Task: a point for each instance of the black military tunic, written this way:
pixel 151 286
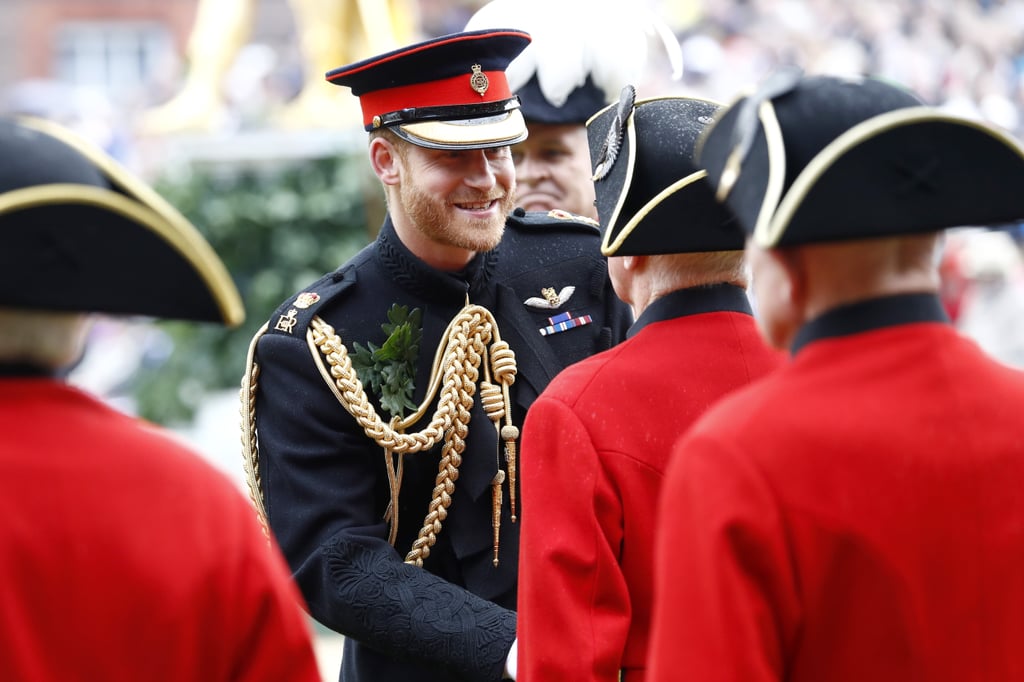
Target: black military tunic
pixel 325 483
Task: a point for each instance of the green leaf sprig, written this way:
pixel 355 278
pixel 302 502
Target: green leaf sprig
pixel 390 370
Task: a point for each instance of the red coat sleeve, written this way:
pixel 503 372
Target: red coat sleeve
pixel 574 610
pixel 274 631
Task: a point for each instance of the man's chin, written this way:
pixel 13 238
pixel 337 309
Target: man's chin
pixel 537 204
pixel 477 235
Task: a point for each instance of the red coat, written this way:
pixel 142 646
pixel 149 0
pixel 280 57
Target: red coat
pixel 594 447
pixel 859 515
pixel 125 557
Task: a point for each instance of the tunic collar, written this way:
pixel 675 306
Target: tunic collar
pixel 875 313
pixel 713 298
pixel 426 282
pixel 27 371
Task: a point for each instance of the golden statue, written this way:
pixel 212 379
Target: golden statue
pixel 331 33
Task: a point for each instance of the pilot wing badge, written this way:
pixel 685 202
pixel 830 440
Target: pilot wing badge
pixel 551 299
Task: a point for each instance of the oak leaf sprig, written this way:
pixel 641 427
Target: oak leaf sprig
pixel 389 370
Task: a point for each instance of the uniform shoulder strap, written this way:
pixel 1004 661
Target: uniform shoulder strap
pixel 553 219
pixel 292 317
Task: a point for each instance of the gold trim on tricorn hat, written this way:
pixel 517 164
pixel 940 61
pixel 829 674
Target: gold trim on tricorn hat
pixel 80 233
pixel 829 159
pixel 652 198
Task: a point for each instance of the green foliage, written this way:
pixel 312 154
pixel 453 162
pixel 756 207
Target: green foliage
pixel 390 370
pixel 276 232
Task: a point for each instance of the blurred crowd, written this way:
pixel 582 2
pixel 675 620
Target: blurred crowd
pixel 966 56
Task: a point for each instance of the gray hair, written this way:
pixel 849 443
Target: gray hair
pixel 48 339
pixel 681 270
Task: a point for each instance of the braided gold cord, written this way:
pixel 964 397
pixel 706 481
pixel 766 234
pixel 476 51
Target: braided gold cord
pixel 503 363
pixel 349 390
pixel 471 334
pixel 250 450
pixel 492 401
pixel 455 374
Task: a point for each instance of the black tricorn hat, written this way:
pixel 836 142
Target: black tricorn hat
pixel 810 159
pixel 652 197
pixel 449 92
pixel 580 104
pixel 79 233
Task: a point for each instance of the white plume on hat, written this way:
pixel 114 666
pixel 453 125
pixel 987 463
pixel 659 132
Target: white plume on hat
pixel 605 39
pixel 987 253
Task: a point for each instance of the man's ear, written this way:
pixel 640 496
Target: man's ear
pixel 385 161
pixel 792 263
pixel 634 263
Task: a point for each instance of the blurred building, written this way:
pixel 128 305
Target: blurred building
pixel 122 50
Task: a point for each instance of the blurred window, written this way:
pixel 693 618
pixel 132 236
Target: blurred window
pixel 114 57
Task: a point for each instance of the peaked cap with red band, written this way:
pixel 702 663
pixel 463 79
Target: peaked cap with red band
pixel 445 93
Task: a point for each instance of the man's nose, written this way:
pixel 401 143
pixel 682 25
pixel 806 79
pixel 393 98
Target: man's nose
pixel 528 169
pixel 479 172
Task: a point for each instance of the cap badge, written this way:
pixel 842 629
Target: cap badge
pixel 613 140
pixel 552 299
pixel 306 299
pixel 286 323
pixel 479 81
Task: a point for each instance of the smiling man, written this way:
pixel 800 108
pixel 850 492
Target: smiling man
pixel 388 395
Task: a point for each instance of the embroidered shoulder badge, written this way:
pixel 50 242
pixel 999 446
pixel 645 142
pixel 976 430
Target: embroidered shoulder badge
pixel 286 323
pixel 306 299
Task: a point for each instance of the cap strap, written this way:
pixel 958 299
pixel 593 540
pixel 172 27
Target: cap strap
pixel 457 90
pixel 452 113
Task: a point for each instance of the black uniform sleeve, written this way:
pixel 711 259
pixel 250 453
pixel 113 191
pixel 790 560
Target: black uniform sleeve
pixel 413 614
pixel 325 486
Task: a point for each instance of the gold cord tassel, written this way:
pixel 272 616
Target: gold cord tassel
pixel 509 433
pixel 393 461
pixel 496 482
